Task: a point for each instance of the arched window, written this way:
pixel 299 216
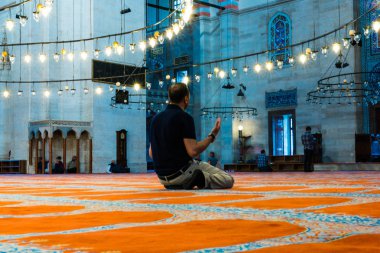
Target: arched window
pixel 280 37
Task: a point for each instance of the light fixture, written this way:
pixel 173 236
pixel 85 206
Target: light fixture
pixel 115 45
pixel 47 93
pixel 56 57
pixel 186 80
pixel 292 61
pixel 70 56
pixel 136 86
pixel 120 49
pixel 280 64
pixel 45 10
pixel 174 80
pixel 148 85
pixel 336 47
pixel 161 39
pixel 152 42
pixel 257 68
pixel 118 84
pixel 73 90
pixel 12 58
pixel 4 54
pixel 176 28
pixel 33 92
pixel 346 42
pixel 302 58
pixel 367 31
pixel 36 16
pixel 19 93
pixel 209 75
pixel 169 33
pixel 246 69
pixel 98 90
pixel 222 74
pixel 325 51
pixel 39 7
pixel 181 24
pixel 161 83
pixel 269 65
pixel 63 51
pixel 108 51
pixel 23 20
pixel 234 71
pixel 132 47
pixel 42 57
pixel 240 128
pixel 27 58
pixel 9 24
pixel 216 70
pixel 167 77
pixel 197 78
pixel 376 25
pixel 67 88
pixel 60 92
pixel 308 51
pixel 142 45
pixel 357 37
pixel 111 88
pixel 314 55
pixel 6 93
pixel 97 53
pixel 83 55
pixel 48 2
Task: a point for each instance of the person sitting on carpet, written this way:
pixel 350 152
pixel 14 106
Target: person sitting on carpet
pixel 58 166
pixel 72 165
pixel 115 168
pixel 173 146
pixel 212 159
pixel 263 162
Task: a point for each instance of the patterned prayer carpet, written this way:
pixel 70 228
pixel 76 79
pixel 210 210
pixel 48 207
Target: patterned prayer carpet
pixel 264 212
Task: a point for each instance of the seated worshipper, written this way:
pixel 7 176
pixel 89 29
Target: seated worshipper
pixel 173 146
pixel 212 159
pixel 263 162
pixel 58 166
pixel 39 165
pixel 114 168
pixel 72 165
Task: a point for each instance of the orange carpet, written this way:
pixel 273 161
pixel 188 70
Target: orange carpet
pixel 264 212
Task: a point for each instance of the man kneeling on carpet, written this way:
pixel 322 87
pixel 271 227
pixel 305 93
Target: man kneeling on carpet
pixel 173 146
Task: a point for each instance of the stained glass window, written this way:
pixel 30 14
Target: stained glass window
pixel 280 37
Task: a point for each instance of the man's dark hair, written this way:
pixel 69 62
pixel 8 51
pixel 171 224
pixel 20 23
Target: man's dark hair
pixel 308 128
pixel 59 158
pixel 178 92
pixel 263 151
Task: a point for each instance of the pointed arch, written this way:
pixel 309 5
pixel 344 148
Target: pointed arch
pixel 280 36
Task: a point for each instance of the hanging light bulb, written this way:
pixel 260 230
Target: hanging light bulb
pixel 197 78
pixel 325 51
pixel 36 16
pixel 222 74
pixel 152 42
pixel 33 92
pixel 39 7
pixel 246 69
pixel 19 93
pixel 9 24
pixel 70 56
pixel 161 39
pixel 67 87
pixel 209 75
pixel 115 45
pixel 23 20
pixel 136 86
pixel 167 77
pixel 47 93
pixel 12 58
pixel 60 92
pixel 83 55
pixel 357 37
pixel 42 57
pixel 367 31
pixel 118 84
pixel 376 25
pixel 132 47
pixel 148 85
pixel 257 68
pixel 48 2
pixel 63 51
pixel 56 57
pixel 216 70
pixel 280 64
pixel 291 61
pixel 85 90
pixel 302 58
pixel 6 93
pixel 186 80
pixel 73 91
pixel 120 50
pixel 336 47
pixel 27 58
pixel 269 65
pixel 174 80
pixel 108 50
pixel 169 33
pixel 111 88
pixel 314 55
pixel 45 10
pixel 346 43
pixel 161 83
pixel 181 24
pixel 176 28
pixel 142 45
pixel 234 72
pixel 97 53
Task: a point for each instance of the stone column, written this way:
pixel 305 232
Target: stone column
pixel 64 153
pixel 78 157
pixel 90 155
pixel 31 150
pixel 36 161
pixel 43 154
pixel 50 155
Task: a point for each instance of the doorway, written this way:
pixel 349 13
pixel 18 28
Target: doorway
pixel 282 133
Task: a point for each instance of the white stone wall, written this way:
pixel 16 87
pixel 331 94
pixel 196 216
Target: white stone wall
pixel 17 112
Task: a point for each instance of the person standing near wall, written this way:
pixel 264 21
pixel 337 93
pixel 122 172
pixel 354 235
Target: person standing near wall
pixel 308 142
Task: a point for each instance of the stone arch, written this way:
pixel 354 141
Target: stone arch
pixel 84 154
pixel 280 36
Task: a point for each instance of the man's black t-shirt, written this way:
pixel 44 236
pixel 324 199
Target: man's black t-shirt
pixel 167 131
